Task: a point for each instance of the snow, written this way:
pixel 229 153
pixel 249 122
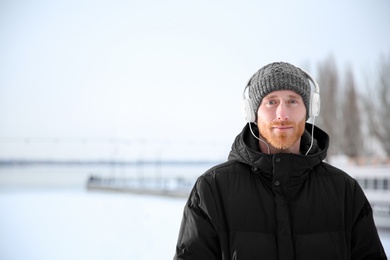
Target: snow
pixel 75 225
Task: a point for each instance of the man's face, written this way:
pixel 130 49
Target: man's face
pixel 281 119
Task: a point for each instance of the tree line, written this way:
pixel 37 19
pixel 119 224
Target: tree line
pixel 355 116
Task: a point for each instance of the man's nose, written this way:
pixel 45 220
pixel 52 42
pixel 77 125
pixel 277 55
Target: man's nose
pixel 282 112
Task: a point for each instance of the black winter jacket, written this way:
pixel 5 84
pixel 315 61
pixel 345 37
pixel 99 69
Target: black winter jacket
pixel 278 206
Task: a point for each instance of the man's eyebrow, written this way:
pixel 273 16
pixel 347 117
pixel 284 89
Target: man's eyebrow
pixel 270 96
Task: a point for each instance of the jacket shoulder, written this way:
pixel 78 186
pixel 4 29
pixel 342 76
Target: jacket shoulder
pixel 330 170
pixel 227 167
pixel 340 181
pixel 221 174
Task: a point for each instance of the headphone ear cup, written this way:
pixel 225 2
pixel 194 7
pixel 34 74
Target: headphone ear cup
pixel 315 104
pixel 249 114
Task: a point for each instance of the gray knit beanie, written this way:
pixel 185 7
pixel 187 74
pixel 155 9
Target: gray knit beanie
pixel 278 76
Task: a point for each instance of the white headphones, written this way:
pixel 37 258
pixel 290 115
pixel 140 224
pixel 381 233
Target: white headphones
pixel 314 109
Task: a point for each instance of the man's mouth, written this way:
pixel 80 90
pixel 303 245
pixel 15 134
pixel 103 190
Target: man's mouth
pixel 282 128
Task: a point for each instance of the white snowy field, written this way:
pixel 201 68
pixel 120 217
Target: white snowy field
pixel 76 224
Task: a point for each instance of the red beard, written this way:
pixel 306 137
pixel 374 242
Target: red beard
pixel 283 139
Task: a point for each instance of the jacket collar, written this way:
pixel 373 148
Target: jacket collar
pixel 246 149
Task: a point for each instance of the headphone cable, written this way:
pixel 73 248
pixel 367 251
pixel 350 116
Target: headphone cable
pixel 250 127
pixel 312 136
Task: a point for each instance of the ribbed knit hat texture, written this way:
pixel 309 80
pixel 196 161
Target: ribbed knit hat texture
pixel 278 76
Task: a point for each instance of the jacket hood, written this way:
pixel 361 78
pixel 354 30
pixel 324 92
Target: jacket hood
pixel 246 149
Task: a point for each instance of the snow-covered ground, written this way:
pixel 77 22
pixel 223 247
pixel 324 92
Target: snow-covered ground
pixel 76 224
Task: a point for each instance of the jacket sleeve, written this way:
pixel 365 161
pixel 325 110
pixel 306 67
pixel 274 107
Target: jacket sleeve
pixel 365 240
pixel 198 235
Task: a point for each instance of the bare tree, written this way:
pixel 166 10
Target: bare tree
pixel 377 105
pixel 328 80
pixel 352 144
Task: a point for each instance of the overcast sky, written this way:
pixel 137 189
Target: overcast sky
pixel 163 71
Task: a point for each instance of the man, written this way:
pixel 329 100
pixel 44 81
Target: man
pixel 275 198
